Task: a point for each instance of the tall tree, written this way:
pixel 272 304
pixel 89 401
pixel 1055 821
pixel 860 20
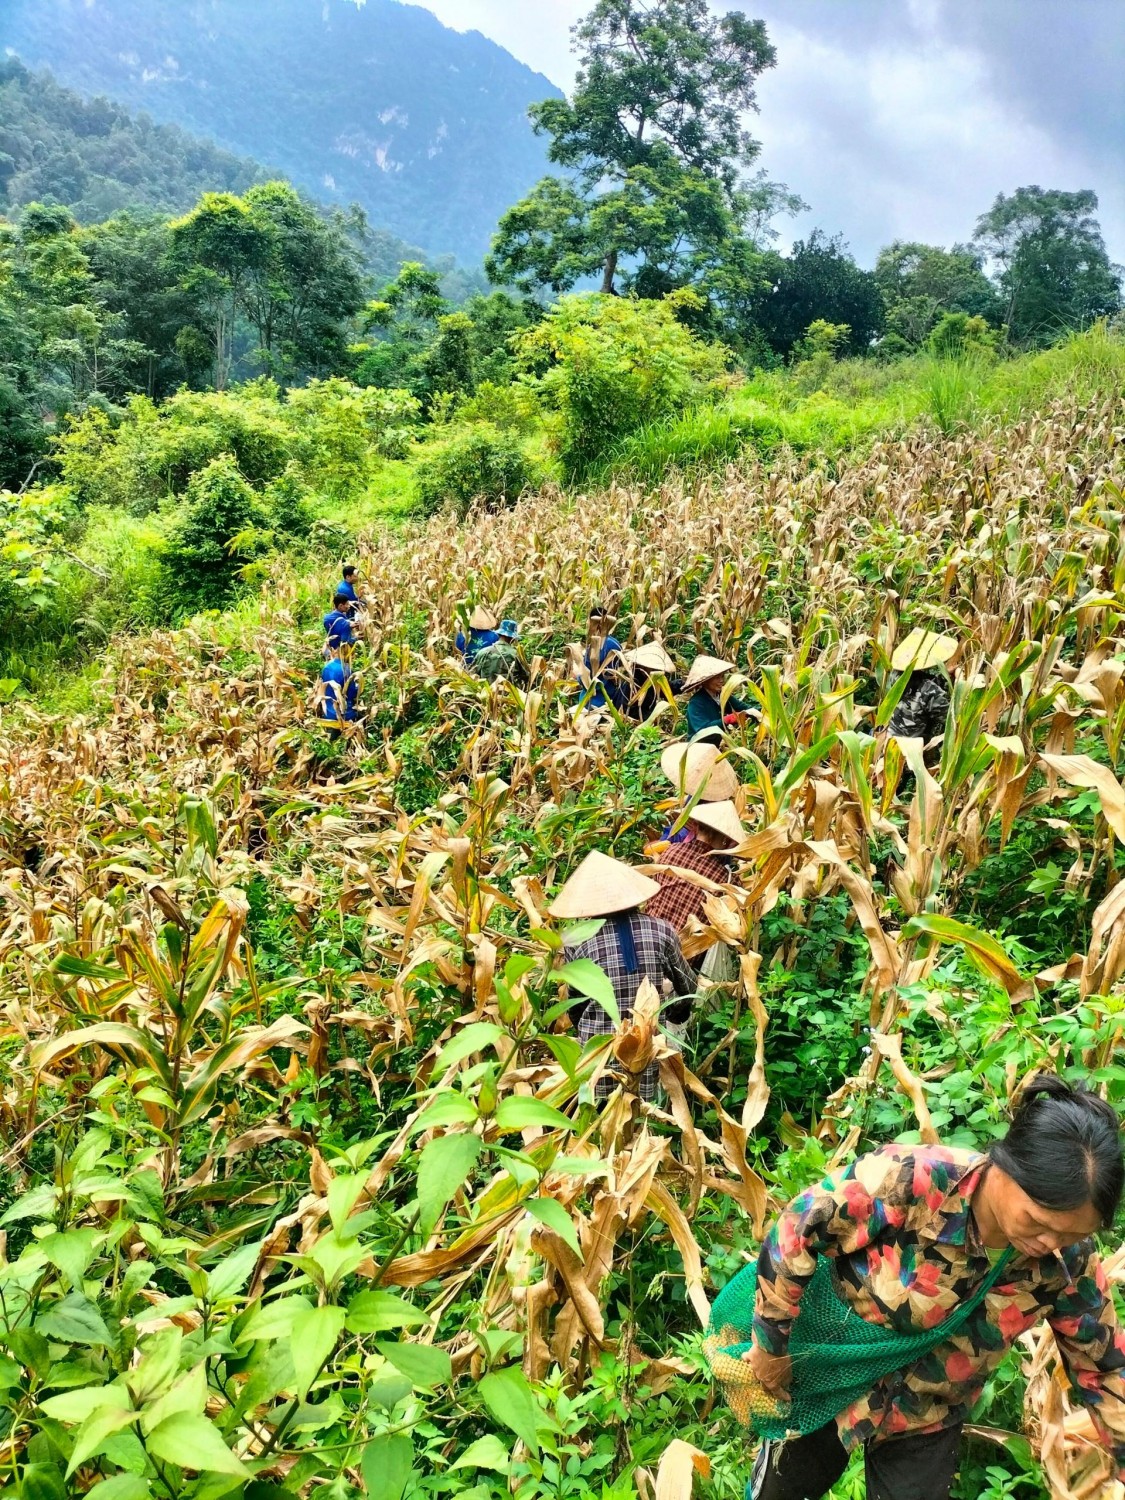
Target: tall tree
pixel 653 138
pixel 819 280
pixel 1053 270
pixel 920 283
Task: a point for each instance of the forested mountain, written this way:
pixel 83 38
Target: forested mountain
pixel 97 158
pixel 376 103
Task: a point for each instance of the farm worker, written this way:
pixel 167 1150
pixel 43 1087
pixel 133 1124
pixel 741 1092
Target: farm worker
pixel 716 829
pixel 707 716
pixel 347 587
pixel 913 1234
pixel 922 709
pixel 646 663
pixel 502 658
pixel 630 946
pixel 338 626
pixel 693 768
pixel 337 692
pixel 482 632
pixel 603 662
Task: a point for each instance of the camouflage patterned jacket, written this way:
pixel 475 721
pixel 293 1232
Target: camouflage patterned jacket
pixel 922 709
pixel 898 1225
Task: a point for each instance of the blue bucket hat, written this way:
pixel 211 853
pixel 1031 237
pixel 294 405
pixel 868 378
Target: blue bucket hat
pixel 509 628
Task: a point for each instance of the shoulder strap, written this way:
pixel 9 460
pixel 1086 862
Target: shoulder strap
pixel 964 1310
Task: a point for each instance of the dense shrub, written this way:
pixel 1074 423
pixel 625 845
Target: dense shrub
pixel 475 463
pixel 606 366
pixel 203 557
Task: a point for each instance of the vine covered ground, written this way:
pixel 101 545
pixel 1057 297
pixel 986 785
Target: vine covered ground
pixel 306 1186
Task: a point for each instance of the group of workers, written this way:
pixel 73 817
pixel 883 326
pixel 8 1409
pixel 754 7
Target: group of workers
pixel 337 697
pixel 947 1255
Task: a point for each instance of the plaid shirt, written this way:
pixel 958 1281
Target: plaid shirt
pixel 658 958
pixel 679 899
pixel 898 1225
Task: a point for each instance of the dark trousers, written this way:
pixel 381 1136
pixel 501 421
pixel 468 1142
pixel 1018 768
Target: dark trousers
pixel 919 1467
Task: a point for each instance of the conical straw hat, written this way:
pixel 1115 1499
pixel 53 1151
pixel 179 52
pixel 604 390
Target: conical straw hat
pixel 689 767
pixel 601 886
pixel 922 649
pixel 722 817
pixel 703 668
pixel 652 657
pixel 482 619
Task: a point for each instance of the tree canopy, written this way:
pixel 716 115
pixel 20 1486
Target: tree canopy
pixel 654 142
pixel 1053 270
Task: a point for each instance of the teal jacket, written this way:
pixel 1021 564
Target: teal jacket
pixel 705 716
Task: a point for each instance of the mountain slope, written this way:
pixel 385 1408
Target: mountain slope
pixel 376 103
pixel 97 159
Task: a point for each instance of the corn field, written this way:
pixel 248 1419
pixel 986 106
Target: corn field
pixel 308 1188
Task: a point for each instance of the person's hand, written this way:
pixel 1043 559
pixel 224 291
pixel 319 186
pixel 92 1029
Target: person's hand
pixel 773 1372
pixel 733 718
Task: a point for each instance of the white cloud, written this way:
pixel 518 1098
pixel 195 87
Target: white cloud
pixel 897 121
pixel 535 31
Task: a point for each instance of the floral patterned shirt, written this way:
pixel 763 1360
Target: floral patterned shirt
pixel 898 1225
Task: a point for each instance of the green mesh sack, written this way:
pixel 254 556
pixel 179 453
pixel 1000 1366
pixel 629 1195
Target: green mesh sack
pixel 838 1357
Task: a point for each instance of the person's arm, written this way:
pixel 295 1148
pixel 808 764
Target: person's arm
pixel 684 980
pixel 1092 1348
pixel 836 1217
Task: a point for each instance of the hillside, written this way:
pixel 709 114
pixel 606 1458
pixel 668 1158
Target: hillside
pixel 287 1065
pixel 380 105
pixel 99 159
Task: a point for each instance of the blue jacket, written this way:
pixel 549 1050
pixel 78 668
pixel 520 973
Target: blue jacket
pixel 338 628
pixel 614 687
pixel 478 640
pixel 342 690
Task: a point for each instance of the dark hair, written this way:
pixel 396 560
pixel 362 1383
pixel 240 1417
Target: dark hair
pixel 599 612
pixel 341 599
pixel 349 568
pixel 1063 1148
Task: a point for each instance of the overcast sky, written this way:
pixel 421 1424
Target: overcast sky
pixel 904 118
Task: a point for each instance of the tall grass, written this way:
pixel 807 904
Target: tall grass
pixel 834 408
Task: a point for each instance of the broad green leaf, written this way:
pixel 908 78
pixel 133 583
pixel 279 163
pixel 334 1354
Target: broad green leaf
pixel 158 1366
pixel 487 1452
pixel 187 1397
pixel 343 1194
pixel 312 1341
pixel 446 1108
pixel 71 1252
pixel 509 1398
pixel 423 1365
pixel 273 1320
pixel 40 1481
pixel 76 1406
pixel 582 932
pixel 121 1487
pixel 386 1465
pixel 389 1390
pixel 549 1211
pixel 377 1311
pixel 585 976
pixel 517 1112
pixel 11 1374
pixel 227 1279
pixel 444 1166
pixel 39 1203
pixel 473 1038
pixel 194 1443
pixel 73 1320
pixel 98 1426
